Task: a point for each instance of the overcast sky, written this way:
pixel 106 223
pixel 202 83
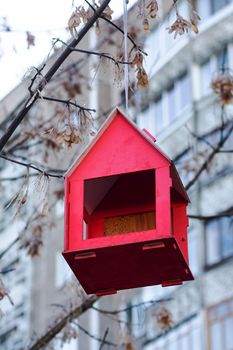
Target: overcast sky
pixel 46 19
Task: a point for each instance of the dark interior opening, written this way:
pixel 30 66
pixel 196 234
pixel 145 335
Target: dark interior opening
pixel 119 204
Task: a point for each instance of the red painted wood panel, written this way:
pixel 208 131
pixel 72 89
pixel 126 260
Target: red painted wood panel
pixel 75 214
pixel 120 149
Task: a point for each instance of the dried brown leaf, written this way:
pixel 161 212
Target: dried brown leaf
pixel 153 9
pixel 74 22
pixel 164 318
pixel 146 25
pixel 59 194
pixel 222 85
pixel 68 333
pixel 180 26
pixel 129 346
pixel 31 240
pixel 142 79
pixel 30 39
pixel 4 292
pixel 72 88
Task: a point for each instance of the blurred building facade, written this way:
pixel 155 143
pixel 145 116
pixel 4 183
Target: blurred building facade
pixel 178 105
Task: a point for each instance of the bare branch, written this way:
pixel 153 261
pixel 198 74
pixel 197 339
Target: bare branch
pixel 38 73
pixel 48 76
pixel 102 340
pixel 143 303
pixel 66 102
pixel 225 213
pixel 9 247
pixel 117 28
pixel 53 330
pixel 28 165
pixel 15 178
pixel 199 138
pixel 209 158
pixel 100 54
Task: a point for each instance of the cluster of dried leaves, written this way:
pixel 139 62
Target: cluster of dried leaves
pixel 71 128
pixel 30 39
pixel 31 237
pixel 129 346
pixel 164 318
pixel 72 87
pixel 31 240
pixel 69 332
pixel 182 26
pixel 4 292
pixel 20 198
pixel 81 15
pixel 137 62
pixel 222 85
pixel 147 11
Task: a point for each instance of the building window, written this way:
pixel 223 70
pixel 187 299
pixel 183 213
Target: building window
pixel 172 103
pixel 222 59
pixel 184 92
pixel 219 240
pixel 208 7
pixel 203 9
pixel 217 5
pixel 152 117
pixel 136 318
pixel 179 96
pixel 206 77
pixel 159 121
pixel 193 251
pixel 220 326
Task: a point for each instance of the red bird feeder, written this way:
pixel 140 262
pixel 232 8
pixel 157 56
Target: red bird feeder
pixel 125 213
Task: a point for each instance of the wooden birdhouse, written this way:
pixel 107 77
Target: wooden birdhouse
pixel 125 213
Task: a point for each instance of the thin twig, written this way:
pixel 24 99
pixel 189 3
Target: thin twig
pixel 209 158
pixel 66 102
pixel 225 213
pixel 104 339
pixel 15 178
pixel 84 330
pixel 38 73
pixel 199 138
pixel 118 28
pixel 9 247
pixel 100 54
pixel 48 76
pixel 53 330
pixel 143 303
pixel 28 165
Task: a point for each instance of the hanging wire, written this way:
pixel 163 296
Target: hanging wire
pixel 126 68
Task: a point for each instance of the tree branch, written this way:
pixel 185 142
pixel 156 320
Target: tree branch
pixel 100 54
pixel 9 247
pixel 225 213
pixel 102 340
pixel 55 329
pixel 117 28
pixel 28 165
pixel 143 303
pixel 209 158
pixel 48 76
pixel 66 102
